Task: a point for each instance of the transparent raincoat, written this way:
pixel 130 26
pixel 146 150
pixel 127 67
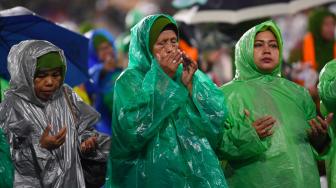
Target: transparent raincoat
pixel 327 93
pixel 162 136
pixel 285 159
pixel 24 117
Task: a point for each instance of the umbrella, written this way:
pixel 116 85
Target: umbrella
pixel 18 24
pixel 236 11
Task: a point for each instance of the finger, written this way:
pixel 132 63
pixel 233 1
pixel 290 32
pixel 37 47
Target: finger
pixel 247 113
pixel 46 131
pixel 324 123
pixel 89 143
pixel 158 57
pixel 262 119
pixel 267 133
pixel 267 123
pixel 83 146
pixel 313 125
pixel 321 126
pixel 176 58
pixel 329 118
pixel 60 141
pixel 61 133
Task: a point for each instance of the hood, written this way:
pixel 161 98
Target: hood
pixel 140 56
pixel 22 59
pixel 93 56
pixel 244 58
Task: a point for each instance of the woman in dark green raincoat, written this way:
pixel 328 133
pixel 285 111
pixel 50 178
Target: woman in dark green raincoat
pixel 266 141
pixel 327 92
pixel 164 125
pixel 6 166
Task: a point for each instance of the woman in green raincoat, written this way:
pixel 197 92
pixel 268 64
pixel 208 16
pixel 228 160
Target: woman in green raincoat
pixel 3 86
pixel 6 166
pixel 327 92
pixel 164 122
pixel 271 120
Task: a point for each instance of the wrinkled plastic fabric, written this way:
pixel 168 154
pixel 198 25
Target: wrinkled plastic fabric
pixel 327 93
pixel 286 158
pixel 99 88
pixel 24 117
pixel 161 136
pixel 6 166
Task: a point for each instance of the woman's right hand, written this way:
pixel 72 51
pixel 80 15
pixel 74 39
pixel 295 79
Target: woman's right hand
pixel 50 142
pixel 169 62
pixel 263 125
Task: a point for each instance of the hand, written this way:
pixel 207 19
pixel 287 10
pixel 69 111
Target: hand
pixel 89 145
pixel 169 62
pixel 319 129
pixel 52 142
pixel 262 125
pixel 189 69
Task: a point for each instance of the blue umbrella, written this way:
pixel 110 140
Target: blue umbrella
pixel 18 24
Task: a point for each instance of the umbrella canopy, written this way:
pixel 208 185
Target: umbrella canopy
pixel 235 11
pixel 18 24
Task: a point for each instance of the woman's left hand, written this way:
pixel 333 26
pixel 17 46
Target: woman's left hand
pixel 189 68
pixel 320 128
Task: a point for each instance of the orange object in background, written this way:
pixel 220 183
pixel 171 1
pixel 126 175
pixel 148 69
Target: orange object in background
pixel 189 50
pixel 309 50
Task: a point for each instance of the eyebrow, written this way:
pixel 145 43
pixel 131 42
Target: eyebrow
pixel 265 40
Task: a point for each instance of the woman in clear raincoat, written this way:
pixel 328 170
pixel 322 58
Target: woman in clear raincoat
pixel 48 127
pixel 166 116
pixel 270 124
pixel 327 93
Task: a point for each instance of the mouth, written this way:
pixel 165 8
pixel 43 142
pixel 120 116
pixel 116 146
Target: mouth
pixel 47 92
pixel 267 60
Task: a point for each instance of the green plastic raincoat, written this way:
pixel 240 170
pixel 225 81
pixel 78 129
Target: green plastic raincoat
pixel 3 86
pixel 327 92
pixel 286 158
pixel 6 166
pixel 162 136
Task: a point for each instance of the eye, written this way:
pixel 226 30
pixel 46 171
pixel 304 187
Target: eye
pixel 40 75
pixel 258 44
pixel 174 41
pixel 56 74
pixel 274 45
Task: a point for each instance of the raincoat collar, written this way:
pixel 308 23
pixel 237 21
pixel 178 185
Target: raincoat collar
pixel 22 60
pixel 244 58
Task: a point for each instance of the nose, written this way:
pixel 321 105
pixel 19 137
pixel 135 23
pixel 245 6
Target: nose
pixel 170 47
pixel 267 49
pixel 49 81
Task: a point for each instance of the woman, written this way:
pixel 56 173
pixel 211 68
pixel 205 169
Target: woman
pixel 164 122
pixel 327 92
pixel 48 127
pixel 266 141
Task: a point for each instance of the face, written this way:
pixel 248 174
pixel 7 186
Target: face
pixel 105 52
pixel 166 43
pixel 266 51
pixel 47 82
pixel 327 28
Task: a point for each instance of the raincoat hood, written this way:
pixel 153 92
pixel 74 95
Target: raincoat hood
pixel 244 58
pixel 140 55
pixel 316 20
pixel 22 59
pixel 327 86
pixel 93 56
